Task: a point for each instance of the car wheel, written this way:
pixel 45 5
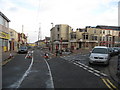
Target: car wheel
pixel 90 63
pixel 107 63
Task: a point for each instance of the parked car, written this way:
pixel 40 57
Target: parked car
pixel 116 50
pixel 23 49
pixel 112 52
pixel 99 55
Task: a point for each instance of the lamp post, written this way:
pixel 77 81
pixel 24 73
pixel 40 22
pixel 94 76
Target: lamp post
pixel 85 38
pixel 51 39
pixel 61 44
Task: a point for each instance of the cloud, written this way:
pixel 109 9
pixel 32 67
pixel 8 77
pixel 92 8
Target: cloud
pixel 76 13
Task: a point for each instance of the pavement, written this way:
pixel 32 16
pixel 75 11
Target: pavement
pixel 6 56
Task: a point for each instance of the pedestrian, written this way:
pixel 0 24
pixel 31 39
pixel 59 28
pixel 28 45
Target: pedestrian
pixel 60 52
pixel 56 52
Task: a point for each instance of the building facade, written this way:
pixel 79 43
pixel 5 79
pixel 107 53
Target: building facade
pixel 4 33
pixel 22 39
pixel 95 36
pixel 60 37
pixel 13 40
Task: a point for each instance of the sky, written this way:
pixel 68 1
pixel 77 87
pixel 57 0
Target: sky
pixel 33 14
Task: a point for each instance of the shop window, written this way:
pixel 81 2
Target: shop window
pixel 1 20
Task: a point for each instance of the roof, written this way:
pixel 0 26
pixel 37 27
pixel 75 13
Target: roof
pixel 100 47
pixel 4 16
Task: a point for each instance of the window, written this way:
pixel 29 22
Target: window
pixel 85 36
pixel 94 31
pixel 107 38
pixel 110 38
pixel 58 28
pixel 95 37
pixel 1 20
pixel 11 34
pixel 100 38
pixel 6 23
pixel 103 31
pixel 58 36
pixel 73 36
pixel 109 32
pixel 100 31
pixel 103 38
pixel 80 30
pixel 85 30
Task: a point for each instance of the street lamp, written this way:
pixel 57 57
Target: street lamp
pixel 51 39
pixel 52 25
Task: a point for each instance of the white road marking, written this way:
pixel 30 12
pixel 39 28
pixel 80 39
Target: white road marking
pixel 50 83
pixel 26 56
pixel 18 83
pixel 97 71
pixel 103 74
pixel 97 74
pixel 91 68
pixel 84 68
pixel 90 71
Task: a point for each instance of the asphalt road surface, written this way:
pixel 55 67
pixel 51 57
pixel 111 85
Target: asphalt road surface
pixel 38 72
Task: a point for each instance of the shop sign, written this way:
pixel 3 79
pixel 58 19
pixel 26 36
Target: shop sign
pixel 4 35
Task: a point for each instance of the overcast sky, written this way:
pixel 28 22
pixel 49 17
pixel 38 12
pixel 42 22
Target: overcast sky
pixel 76 13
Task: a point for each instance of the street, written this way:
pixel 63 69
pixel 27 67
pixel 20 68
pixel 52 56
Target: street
pixel 71 71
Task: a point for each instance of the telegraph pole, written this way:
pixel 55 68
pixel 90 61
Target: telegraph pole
pixel 22 33
pixel 39 33
pixel 51 37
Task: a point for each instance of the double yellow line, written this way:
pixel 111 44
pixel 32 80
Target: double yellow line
pixel 109 84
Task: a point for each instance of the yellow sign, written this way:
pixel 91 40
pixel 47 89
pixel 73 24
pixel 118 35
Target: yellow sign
pixel 4 48
pixel 4 35
pixel 31 44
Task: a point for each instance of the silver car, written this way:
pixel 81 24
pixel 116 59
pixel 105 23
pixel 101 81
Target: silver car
pixel 99 55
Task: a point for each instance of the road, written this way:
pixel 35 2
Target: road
pixel 59 72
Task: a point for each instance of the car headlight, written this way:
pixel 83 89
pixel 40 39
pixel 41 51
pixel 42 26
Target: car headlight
pixel 106 57
pixel 91 57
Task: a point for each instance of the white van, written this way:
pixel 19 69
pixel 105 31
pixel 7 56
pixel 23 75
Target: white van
pixel 99 55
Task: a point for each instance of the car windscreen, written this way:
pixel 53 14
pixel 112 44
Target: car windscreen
pixel 23 47
pixel 100 50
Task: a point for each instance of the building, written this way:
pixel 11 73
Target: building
pixel 4 33
pixel 110 35
pixel 22 39
pixel 47 41
pixel 40 43
pixel 60 37
pixel 13 40
pixel 95 36
pixel 31 44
